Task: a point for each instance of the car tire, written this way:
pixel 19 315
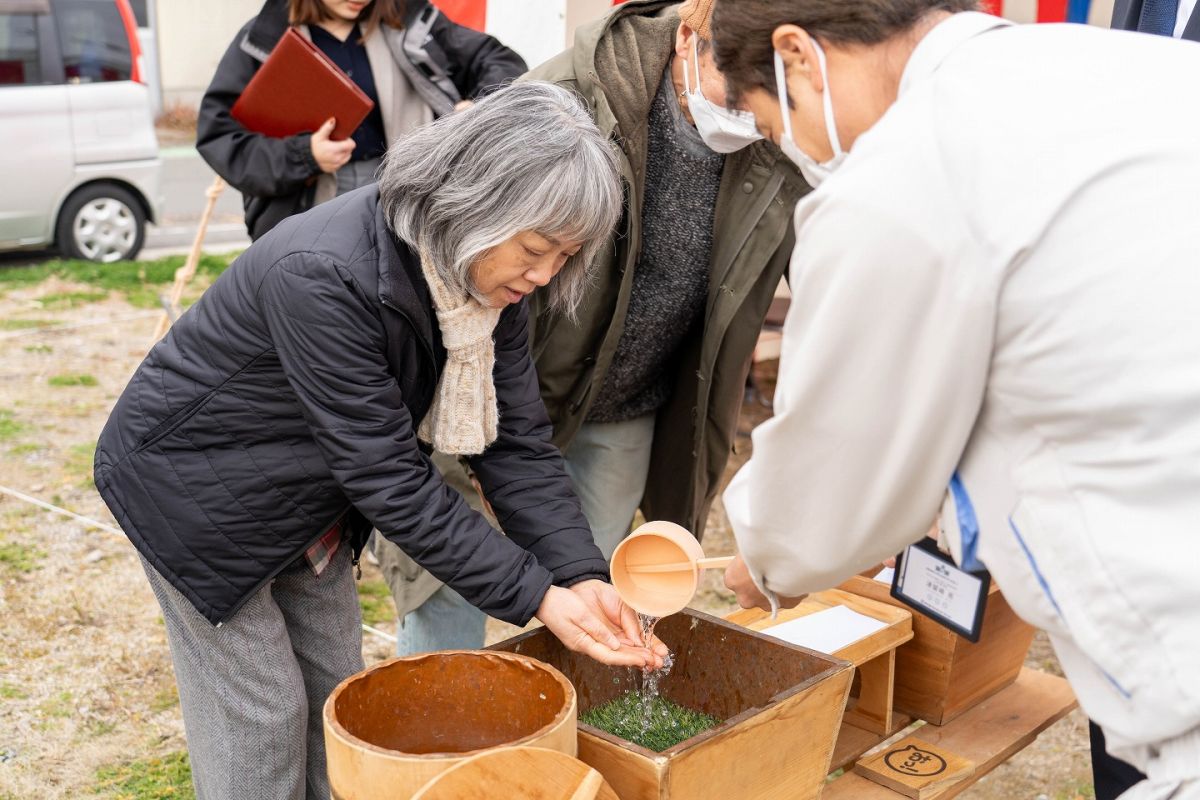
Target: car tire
pixel 103 223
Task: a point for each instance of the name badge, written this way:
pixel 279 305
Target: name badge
pixel 929 581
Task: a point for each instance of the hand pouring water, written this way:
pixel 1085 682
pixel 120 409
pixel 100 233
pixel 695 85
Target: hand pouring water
pixel 656 570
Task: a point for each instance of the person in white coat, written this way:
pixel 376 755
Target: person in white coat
pixel 997 281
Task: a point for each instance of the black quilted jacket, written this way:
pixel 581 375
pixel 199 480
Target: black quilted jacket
pixel 289 395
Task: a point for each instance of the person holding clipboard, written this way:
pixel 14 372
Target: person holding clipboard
pixel 412 62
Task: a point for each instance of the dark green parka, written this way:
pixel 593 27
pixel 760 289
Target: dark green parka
pixel 616 65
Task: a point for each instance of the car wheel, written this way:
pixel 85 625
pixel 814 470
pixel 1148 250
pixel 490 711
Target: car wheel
pixel 102 223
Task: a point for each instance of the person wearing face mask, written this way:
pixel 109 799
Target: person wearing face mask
pixel 645 389
pixel 995 290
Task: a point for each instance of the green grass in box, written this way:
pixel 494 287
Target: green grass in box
pixel 670 724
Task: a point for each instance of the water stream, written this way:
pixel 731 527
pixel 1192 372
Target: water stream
pixel 651 678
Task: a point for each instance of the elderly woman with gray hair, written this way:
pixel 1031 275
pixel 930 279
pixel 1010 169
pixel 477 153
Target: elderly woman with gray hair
pixel 296 405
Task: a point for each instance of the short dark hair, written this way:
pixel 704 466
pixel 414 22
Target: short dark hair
pixel 377 12
pixel 742 30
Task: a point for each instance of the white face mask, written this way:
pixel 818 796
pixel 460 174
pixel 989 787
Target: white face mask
pixel 813 171
pixel 724 131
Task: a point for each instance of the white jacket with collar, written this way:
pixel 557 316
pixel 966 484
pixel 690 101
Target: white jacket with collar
pixel 1003 279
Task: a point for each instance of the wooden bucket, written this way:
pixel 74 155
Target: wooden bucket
pixel 528 773
pixel 392 728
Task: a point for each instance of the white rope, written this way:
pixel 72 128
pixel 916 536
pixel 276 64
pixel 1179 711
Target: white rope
pixel 46 329
pixel 379 633
pixel 88 521
pixel 92 523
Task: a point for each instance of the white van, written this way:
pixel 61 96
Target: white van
pixel 79 163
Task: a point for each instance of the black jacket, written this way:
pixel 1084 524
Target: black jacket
pixel 289 395
pixel 277 177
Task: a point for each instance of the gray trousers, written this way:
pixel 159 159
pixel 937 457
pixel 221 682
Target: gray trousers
pixel 252 690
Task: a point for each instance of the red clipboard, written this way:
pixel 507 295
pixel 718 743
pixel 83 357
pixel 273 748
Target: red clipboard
pixel 297 89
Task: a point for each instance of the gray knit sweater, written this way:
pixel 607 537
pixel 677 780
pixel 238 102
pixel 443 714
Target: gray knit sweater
pixel 670 282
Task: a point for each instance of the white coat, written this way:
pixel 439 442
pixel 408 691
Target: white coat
pixel 1003 280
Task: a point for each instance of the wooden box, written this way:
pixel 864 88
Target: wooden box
pixel 939 674
pixel 781 708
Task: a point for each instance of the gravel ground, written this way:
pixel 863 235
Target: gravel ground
pixel 85 673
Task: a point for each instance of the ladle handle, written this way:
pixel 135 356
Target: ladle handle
pixel 721 562
pixel 589 787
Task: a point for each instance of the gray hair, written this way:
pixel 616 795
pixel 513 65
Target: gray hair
pixel 525 158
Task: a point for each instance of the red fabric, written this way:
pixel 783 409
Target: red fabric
pixel 992 6
pixel 1052 11
pixel 471 13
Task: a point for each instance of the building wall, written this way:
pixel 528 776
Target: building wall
pixel 192 36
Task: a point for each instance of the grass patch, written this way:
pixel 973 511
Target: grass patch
pixel 22 324
pixel 60 706
pixel 137 280
pixel 80 464
pixel 9 427
pixel 375 600
pixel 19 558
pixel 60 300
pixel 165 700
pixel 26 449
pixel 99 727
pixel 73 380
pixel 669 724
pixel 1076 791
pixel 10 692
pixel 147 779
pixel 38 348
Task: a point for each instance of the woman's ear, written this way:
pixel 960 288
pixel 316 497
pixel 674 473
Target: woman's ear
pixel 683 41
pixel 799 55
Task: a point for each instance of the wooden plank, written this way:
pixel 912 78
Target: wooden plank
pixel 873 712
pixel 853 741
pixel 989 734
pixel 898 631
pixel 914 768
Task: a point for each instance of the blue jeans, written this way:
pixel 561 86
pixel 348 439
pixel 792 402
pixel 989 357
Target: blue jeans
pixel 608 462
pixel 443 622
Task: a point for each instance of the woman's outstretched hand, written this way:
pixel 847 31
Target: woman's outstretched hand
pixel 590 618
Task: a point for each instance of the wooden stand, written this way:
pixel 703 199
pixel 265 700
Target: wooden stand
pixel 987 735
pixel 939 674
pixel 780 707
pixel 869 718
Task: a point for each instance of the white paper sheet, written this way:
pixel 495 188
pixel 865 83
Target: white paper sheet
pixel 885 575
pixel 827 631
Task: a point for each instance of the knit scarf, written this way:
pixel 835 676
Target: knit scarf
pixel 463 417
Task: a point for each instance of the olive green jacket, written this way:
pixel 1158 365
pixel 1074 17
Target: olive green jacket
pixel 616 65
